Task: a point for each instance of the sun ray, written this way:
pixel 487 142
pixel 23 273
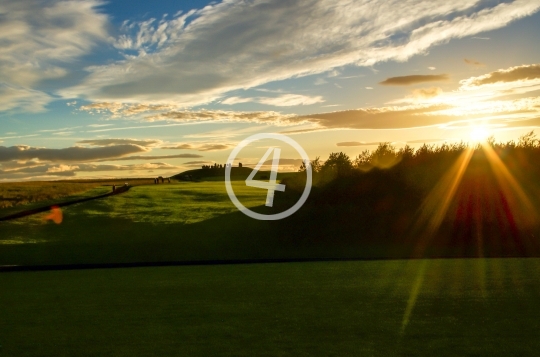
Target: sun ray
pixel 436 204
pixel 506 180
pixel 414 295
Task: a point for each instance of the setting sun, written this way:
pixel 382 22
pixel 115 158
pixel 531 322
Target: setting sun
pixel 478 134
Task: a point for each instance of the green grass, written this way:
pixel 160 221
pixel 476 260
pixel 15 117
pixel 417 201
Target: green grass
pixel 180 221
pixel 463 307
pixel 18 196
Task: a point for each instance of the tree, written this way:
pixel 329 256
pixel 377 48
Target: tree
pixel 363 161
pixel 315 165
pixel 338 163
pixel 385 156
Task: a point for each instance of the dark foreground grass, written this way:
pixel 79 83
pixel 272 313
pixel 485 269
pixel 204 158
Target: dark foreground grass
pixel 454 307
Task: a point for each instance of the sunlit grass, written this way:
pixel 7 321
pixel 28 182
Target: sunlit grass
pixel 183 202
pixel 17 196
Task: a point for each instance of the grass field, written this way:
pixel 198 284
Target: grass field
pixel 26 195
pixel 454 307
pixel 178 221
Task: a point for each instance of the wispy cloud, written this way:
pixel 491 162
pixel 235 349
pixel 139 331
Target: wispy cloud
pixel 312 37
pixel 39 44
pixel 426 93
pixel 275 118
pixel 49 171
pixel 200 147
pixel 512 74
pixel 473 62
pixel 112 142
pixel 154 157
pixel 285 100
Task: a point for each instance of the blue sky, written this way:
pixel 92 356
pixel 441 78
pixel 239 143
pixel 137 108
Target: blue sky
pixel 122 88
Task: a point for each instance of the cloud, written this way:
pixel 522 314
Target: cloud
pixel 260 117
pixel 414 79
pixel 424 107
pixel 154 157
pixel 98 125
pixel 194 57
pixel 62 170
pixel 134 167
pixel 473 62
pixel 14 97
pixel 426 93
pixel 112 142
pixel 361 143
pixel 285 100
pixel 356 143
pixel 40 44
pixel 200 147
pixel 288 100
pixel 512 74
pixel 124 110
pixel 237 100
pixel 180 147
pixel 214 147
pixel 76 153
pixel 382 118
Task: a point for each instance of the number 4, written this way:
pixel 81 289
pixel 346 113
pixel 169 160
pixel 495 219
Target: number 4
pixel 271 185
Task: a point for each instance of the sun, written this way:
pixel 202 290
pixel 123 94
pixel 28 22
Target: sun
pixel 478 134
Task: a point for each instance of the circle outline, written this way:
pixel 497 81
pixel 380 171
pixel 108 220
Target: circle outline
pixel 244 209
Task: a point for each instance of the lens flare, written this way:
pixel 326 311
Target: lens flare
pixel 55 215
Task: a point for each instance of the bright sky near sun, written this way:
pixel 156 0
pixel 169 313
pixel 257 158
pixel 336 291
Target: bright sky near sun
pixel 138 89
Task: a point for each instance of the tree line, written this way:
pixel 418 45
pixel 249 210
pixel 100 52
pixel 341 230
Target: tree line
pixel 453 199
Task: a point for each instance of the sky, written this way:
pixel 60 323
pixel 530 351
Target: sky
pixel 94 89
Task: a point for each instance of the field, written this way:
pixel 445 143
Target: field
pixel 453 307
pixel 437 307
pixel 21 195
pixel 166 222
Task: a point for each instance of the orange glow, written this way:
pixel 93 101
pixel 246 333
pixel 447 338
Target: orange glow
pixel 55 215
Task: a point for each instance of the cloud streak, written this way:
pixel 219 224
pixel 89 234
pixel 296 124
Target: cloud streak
pixel 285 100
pixel 112 142
pixel 200 147
pixel 512 74
pixel 414 79
pixel 76 153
